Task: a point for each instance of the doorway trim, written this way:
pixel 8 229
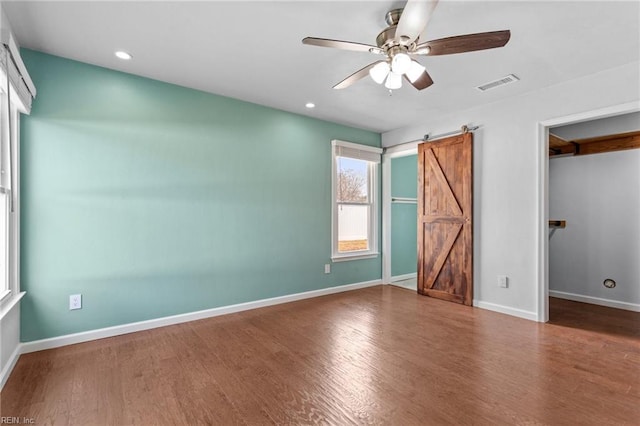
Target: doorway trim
pixel 395 151
pixel 542 305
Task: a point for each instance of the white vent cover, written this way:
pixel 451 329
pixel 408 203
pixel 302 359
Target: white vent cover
pixel 501 81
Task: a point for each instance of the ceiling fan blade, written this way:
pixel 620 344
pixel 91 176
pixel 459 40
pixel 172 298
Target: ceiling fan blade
pixel 414 19
pixel 339 44
pixel 356 76
pixel 422 82
pixel 464 43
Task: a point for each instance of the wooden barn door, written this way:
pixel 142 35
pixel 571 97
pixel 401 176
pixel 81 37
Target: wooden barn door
pixel 445 211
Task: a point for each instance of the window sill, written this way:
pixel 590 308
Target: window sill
pixel 359 256
pixel 9 302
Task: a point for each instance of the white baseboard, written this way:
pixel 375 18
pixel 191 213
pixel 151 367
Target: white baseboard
pixel 520 313
pixel 403 277
pixel 86 336
pixel 635 307
pixel 8 368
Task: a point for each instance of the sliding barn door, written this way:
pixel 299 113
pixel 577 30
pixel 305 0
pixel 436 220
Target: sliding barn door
pixel 445 211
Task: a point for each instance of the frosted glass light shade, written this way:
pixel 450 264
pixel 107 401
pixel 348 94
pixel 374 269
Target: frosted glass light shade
pixel 415 71
pixel 400 63
pixel 394 81
pixel 379 72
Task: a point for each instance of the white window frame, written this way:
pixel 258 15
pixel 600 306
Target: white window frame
pixel 5 262
pixel 16 94
pixel 374 203
pixel 10 185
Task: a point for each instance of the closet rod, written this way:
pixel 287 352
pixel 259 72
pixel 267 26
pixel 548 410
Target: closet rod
pixel 427 137
pixel 404 200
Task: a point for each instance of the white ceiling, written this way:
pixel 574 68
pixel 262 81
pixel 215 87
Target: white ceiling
pixel 253 51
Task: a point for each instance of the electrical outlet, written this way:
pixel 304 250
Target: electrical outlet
pixel 327 268
pixel 503 281
pixel 75 302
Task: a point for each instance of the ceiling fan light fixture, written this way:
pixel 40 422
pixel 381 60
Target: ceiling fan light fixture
pixel 379 72
pixel 394 81
pixel 423 51
pixel 415 71
pixel 400 63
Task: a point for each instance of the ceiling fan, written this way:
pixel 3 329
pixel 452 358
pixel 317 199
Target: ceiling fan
pixel 399 43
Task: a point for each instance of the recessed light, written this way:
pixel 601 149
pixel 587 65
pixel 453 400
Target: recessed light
pixel 123 55
pixel 310 105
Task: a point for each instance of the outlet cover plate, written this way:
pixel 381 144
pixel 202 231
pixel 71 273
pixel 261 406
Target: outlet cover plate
pixel 503 281
pixel 75 302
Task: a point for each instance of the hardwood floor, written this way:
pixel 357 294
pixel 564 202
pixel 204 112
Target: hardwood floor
pixel 596 318
pixel 381 355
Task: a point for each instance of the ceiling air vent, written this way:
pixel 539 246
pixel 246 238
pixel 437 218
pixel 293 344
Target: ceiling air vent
pixel 493 84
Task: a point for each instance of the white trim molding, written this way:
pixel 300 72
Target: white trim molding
pixel 396 151
pixel 542 238
pixel 10 336
pixel 7 305
pixel 348 257
pixel 86 336
pixel 8 368
pixel 397 278
pixel 386 219
pixel 635 307
pixel 520 313
pixel 372 155
pixel 402 150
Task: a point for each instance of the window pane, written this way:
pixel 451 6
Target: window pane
pixel 353 180
pixel 353 225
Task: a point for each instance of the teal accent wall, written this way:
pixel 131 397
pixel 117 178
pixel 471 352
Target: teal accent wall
pixel 152 199
pixel 404 176
pixel 404 217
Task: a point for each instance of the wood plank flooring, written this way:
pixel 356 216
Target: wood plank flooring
pixel 381 355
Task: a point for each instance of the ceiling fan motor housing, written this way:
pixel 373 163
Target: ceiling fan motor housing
pixel 386 39
pixel 393 16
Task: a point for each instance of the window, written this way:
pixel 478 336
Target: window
pixel 16 96
pixel 354 201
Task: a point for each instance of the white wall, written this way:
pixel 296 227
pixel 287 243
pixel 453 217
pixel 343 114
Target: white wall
pixel 599 197
pixel 603 127
pixel 507 176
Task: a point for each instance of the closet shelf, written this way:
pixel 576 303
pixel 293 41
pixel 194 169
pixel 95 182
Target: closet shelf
pixel 557 224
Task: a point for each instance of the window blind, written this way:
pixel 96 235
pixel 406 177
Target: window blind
pixel 21 90
pixel 359 152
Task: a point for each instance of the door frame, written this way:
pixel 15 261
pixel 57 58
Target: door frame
pixel 403 150
pixel 542 303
